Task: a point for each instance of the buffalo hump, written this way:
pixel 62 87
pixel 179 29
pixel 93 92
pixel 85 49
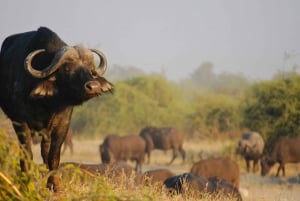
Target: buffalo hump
pixel 129 147
pixel 221 167
pixel 163 138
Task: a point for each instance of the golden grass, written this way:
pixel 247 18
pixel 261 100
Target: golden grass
pixel 81 185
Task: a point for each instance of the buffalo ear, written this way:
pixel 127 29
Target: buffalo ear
pixel 105 85
pixel 44 89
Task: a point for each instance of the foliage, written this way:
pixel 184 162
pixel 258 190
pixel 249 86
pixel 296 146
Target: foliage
pixel 214 114
pixel 15 186
pixel 273 107
pixel 137 102
pixel 152 100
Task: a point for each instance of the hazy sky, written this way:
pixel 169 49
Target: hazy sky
pixel 247 36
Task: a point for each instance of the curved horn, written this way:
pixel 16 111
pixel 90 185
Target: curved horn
pixel 103 62
pixel 55 64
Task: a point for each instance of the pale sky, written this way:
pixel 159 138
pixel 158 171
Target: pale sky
pixel 239 36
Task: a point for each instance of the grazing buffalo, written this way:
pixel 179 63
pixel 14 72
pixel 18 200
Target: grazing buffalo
pixel 224 168
pixel 156 176
pixel 165 138
pixel 251 147
pixel 285 150
pixel 41 79
pixel 130 147
pixel 190 184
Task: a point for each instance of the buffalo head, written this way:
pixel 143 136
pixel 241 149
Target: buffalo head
pixel 266 164
pixel 71 73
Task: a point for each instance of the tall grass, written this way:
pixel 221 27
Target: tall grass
pixel 76 184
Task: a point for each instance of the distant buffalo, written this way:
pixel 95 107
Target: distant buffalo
pixel 251 147
pixel 190 184
pixel 285 150
pixel 130 147
pixel 224 168
pixel 157 176
pixel 165 138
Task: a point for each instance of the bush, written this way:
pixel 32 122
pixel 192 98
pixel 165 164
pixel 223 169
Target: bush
pixel 273 107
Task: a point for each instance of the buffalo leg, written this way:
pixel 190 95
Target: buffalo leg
pixel 138 167
pixel 248 165
pixel 24 136
pixel 58 128
pixel 182 152
pixel 53 161
pixel 45 146
pixel 281 167
pixel 148 156
pixel 283 170
pixel 175 154
pixel 255 165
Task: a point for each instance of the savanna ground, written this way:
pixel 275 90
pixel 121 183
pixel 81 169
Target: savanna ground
pixel 252 186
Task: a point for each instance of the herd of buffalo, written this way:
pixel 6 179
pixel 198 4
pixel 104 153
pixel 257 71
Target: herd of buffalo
pixel 42 78
pixel 215 175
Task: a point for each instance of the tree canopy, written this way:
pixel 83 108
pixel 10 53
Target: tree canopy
pixel 273 107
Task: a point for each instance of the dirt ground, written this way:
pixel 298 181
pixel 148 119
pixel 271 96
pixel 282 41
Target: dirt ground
pixel 253 187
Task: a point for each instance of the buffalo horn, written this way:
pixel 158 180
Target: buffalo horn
pixel 55 64
pixel 103 62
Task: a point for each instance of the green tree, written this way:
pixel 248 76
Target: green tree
pixel 214 114
pixel 136 103
pixel 273 107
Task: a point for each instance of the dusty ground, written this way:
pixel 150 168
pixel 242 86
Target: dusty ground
pixel 252 186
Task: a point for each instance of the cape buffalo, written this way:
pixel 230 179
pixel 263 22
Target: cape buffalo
pixel 224 168
pixel 285 150
pixel 41 79
pixel 165 138
pixel 156 176
pixel 129 147
pixel 251 147
pixel 189 183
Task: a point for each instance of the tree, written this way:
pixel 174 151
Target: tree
pixel 213 114
pixel 204 75
pixel 273 107
pixel 136 103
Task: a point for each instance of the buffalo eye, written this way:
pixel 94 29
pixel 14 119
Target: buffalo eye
pixel 94 73
pixel 67 69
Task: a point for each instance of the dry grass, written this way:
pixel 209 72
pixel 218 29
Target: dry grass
pixel 253 186
pixel 78 185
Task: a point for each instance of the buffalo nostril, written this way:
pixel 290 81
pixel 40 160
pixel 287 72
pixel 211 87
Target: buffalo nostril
pixel 92 87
